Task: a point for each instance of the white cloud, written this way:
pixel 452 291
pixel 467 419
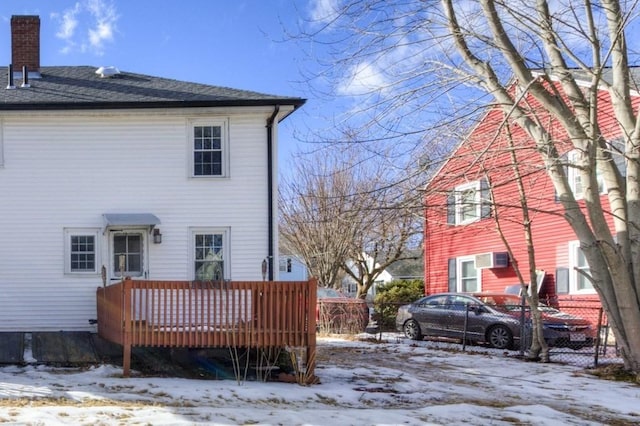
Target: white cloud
pixel 363 78
pixel 324 10
pixel 87 26
pixel 68 22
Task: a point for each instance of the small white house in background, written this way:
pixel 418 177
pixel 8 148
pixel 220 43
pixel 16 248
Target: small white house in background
pixel 105 172
pixel 292 268
pixel 350 288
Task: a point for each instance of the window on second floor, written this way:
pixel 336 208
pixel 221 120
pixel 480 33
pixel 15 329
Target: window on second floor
pixel 575 179
pixel 616 149
pixel 209 149
pixel 468 203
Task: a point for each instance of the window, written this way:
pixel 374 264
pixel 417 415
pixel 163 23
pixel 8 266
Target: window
pixel 209 148
pixel 463 275
pixel 209 255
pixel 285 265
pixel 579 268
pixel 615 147
pixel 81 251
pixel 127 247
pixel 468 203
pixel 575 180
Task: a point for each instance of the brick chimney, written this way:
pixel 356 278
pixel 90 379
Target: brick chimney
pixel 25 43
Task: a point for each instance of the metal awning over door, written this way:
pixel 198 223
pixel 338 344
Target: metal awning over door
pixel 130 219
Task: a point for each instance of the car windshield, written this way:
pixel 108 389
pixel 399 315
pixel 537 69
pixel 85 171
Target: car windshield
pixel 328 293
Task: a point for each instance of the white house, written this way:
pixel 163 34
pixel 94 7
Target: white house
pixel 349 286
pixel 105 172
pixel 292 268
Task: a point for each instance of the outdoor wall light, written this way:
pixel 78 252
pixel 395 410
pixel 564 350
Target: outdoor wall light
pixel 157 236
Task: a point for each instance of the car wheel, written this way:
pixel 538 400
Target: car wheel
pixel 500 337
pixel 412 330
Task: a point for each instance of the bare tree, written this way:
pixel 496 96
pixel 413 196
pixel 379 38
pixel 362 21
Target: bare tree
pixel 389 229
pixel 415 65
pixel 342 215
pixel 318 216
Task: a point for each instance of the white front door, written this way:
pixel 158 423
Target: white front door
pixel 128 254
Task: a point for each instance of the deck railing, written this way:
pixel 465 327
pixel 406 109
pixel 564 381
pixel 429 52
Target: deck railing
pixel 209 315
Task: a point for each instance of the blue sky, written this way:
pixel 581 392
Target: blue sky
pixel 233 43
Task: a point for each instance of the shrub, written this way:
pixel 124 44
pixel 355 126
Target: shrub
pixel 392 295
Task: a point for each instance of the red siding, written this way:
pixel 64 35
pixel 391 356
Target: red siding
pixel 483 152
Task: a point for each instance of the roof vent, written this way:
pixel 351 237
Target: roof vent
pixel 10 84
pixel 106 72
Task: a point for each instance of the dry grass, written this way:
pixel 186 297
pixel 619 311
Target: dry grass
pixel 615 372
pixel 65 402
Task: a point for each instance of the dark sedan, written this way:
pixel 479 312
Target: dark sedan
pixel 489 318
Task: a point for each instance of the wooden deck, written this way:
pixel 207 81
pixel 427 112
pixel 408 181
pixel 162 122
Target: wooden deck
pixel 209 315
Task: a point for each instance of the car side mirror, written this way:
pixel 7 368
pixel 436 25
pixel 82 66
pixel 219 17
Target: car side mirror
pixel 476 309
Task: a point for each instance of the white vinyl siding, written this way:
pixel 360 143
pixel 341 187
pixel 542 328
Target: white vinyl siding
pixel 66 170
pixel 1 144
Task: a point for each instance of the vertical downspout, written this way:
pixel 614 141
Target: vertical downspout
pixel 270 216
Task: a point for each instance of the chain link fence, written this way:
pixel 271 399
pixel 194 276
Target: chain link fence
pixel 577 335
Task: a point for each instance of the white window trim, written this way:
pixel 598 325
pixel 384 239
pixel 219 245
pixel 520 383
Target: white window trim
pixel 458 200
pixel 224 125
pixel 226 251
pixel 573 273
pixel 144 253
pixel 72 232
pixel 459 261
pixel 573 172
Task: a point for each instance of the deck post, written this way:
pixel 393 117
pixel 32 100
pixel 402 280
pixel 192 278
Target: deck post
pixel 126 341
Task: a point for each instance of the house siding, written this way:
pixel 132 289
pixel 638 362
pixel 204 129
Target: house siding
pixel 65 170
pixel 482 154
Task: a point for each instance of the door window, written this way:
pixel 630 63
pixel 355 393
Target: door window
pixel 127 247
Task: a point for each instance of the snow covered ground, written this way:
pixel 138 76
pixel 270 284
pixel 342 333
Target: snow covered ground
pixel 395 381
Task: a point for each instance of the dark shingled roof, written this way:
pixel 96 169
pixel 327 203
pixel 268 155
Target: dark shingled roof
pixel 79 87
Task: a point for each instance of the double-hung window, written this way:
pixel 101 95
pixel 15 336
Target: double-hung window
pixel 579 270
pixel 468 203
pixel 210 254
pixel 81 251
pixel 575 178
pixel 285 265
pixel 463 275
pixel 209 146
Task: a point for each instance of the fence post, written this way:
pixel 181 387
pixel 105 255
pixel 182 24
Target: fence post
pixel 595 359
pixel 126 344
pixel 312 292
pixel 466 324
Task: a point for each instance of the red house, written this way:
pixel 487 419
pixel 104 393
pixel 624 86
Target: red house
pixel 475 194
